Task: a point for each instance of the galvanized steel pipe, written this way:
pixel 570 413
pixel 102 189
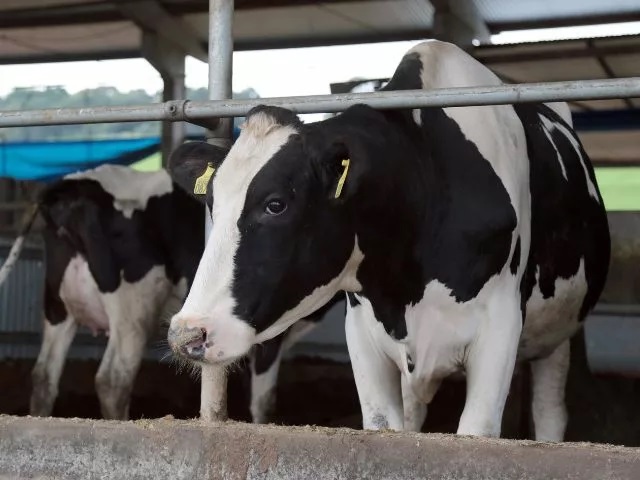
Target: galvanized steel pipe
pixel 213 378
pixel 447 97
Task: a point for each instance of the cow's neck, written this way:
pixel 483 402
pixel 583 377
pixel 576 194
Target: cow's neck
pixel 395 197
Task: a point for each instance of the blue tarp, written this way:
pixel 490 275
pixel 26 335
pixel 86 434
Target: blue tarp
pixel 52 160
pixel 48 161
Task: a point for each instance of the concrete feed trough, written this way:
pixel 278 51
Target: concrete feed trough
pixel 84 449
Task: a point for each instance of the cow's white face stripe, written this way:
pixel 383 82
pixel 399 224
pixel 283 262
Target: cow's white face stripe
pixel 211 299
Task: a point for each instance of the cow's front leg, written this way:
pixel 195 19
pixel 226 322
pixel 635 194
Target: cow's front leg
pixel 265 365
pixel 376 375
pixel 489 367
pixel 548 382
pixel 46 373
pixel 415 410
pixel 118 369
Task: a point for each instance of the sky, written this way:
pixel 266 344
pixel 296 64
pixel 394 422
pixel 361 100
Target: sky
pixel 282 72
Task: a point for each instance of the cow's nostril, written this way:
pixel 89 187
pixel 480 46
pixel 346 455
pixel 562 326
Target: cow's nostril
pixel 195 348
pixel 189 342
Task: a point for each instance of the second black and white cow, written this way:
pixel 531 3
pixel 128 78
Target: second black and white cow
pixel 467 238
pixel 122 248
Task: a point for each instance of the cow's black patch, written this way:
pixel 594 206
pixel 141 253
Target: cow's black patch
pixel 423 202
pixel 567 224
pixel 58 254
pixel 468 231
pixel 272 263
pixel 267 353
pixel 410 364
pixel 515 259
pixel 81 215
pixel 353 300
pixel 407 75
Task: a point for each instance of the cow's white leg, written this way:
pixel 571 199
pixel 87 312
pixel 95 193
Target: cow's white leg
pixel 118 368
pixel 548 379
pixel 376 375
pixel 133 311
pixel 263 389
pixel 489 367
pixel 265 365
pixel 415 411
pixel 46 373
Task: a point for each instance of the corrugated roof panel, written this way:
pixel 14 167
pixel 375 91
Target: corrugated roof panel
pixel 24 4
pixel 69 39
pixel 530 10
pixel 551 70
pixel 624 65
pixel 350 19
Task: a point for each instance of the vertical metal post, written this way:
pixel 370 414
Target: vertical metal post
pixel 173 133
pixel 213 394
pixel 169 61
pixel 220 71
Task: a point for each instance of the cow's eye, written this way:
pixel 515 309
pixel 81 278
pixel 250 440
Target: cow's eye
pixel 275 207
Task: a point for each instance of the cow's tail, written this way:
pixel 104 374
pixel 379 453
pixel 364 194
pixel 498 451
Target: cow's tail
pixel 16 248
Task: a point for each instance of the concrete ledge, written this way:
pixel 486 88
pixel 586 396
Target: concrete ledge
pixel 171 449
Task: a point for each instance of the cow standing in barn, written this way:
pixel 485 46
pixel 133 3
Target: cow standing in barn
pixel 467 239
pixel 121 250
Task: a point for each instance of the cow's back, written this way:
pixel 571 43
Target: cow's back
pixel 112 225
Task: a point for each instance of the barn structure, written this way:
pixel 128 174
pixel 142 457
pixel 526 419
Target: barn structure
pixel 598 74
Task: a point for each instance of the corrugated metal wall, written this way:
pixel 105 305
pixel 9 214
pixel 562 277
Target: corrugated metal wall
pixel 21 304
pixel 21 298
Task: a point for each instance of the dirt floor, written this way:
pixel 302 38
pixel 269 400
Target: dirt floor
pixel 319 392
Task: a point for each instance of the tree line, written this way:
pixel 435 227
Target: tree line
pixel 59 97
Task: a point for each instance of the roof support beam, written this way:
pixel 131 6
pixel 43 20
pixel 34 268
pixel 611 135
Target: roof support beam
pixel 607 69
pixel 170 63
pixel 459 22
pixel 150 16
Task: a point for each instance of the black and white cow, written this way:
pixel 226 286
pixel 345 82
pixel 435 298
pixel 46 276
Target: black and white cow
pixel 466 238
pixel 122 248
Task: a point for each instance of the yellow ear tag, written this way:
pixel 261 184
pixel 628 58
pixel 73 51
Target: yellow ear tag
pixel 200 187
pixel 343 177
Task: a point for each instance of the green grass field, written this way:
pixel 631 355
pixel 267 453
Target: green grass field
pixel 149 164
pixel 620 187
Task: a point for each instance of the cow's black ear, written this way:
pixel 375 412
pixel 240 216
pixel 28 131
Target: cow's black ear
pixel 340 169
pixel 193 164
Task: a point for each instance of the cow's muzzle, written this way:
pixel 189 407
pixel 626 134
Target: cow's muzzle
pixel 189 343
pixel 205 339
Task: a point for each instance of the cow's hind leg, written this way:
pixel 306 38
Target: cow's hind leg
pixel 489 367
pixel 46 373
pixel 377 377
pixel 548 379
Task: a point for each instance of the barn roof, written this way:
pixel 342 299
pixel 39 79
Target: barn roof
pixel 34 31
pixel 50 30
